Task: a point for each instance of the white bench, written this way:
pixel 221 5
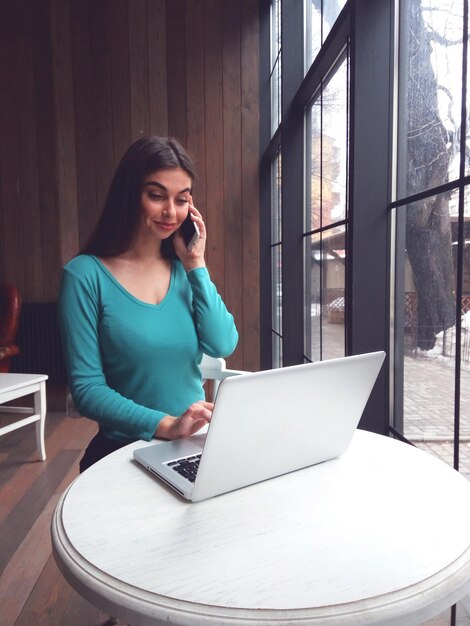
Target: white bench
pixel 13 386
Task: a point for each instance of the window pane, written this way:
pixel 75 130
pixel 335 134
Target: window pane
pixel 443 619
pixel 430 93
pixel 463 612
pixel 324 294
pixel 314 171
pixel 327 153
pixel 276 261
pixel 335 146
pixel 275 30
pixel 327 122
pixel 464 451
pixel 320 17
pixel 275 65
pixel 276 350
pixel 312 297
pixel 313 31
pixel 276 195
pixel 426 320
pixel 333 292
pixel 276 306
pixel 276 96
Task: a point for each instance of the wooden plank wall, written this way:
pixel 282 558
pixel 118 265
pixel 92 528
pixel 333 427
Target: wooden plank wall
pixel 82 79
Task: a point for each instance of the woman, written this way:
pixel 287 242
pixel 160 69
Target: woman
pixel 137 309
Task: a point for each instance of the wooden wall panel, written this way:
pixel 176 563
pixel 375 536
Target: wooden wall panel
pixel 65 124
pixel 156 34
pixel 28 173
pixel 176 69
pixel 97 75
pixel 83 88
pixel 118 41
pixel 250 180
pixel 231 76
pixel 213 104
pixel 102 96
pixel 46 151
pixel 138 66
pixel 195 109
pixel 10 24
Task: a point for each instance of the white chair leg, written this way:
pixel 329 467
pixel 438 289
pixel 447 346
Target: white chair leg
pixel 40 409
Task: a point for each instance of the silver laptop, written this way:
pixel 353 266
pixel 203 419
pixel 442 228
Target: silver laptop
pixel 267 424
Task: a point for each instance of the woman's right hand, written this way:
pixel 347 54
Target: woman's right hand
pixel 195 258
pixel 193 419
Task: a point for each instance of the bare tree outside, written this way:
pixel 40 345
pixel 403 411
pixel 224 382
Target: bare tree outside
pixel 434 65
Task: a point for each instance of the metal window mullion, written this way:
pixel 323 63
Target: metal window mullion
pixel 316 231
pixel 371 30
pixel 321 208
pixel 460 246
pixel 434 191
pixel 292 70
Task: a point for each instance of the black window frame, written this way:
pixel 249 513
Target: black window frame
pixel 368 26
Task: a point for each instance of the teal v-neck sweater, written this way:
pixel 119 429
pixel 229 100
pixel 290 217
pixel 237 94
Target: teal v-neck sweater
pixel 130 363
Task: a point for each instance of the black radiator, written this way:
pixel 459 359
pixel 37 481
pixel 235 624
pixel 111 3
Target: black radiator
pixel 39 341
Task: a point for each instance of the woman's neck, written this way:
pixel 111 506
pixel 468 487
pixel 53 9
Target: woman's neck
pixel 145 250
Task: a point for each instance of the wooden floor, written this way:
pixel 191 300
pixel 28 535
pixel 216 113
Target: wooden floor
pixel 32 590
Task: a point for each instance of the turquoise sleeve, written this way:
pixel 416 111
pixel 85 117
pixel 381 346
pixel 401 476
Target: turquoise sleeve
pixel 79 321
pixel 215 326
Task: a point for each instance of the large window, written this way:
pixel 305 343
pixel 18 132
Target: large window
pixel 432 218
pixel 326 212
pixel 308 206
pixel 431 214
pixel 370 247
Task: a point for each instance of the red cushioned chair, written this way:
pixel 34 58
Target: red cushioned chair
pixel 10 306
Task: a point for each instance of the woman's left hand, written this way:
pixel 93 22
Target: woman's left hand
pixel 195 258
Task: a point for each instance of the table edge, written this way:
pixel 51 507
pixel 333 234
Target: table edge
pixel 423 600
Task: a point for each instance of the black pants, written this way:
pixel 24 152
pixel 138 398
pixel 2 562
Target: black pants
pixel 99 447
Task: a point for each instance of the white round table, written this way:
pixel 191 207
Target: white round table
pixel 378 536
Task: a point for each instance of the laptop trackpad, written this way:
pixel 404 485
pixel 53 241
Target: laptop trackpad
pixel 184 447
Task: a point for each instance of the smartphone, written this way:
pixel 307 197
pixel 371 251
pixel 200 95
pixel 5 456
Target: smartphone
pixel 190 233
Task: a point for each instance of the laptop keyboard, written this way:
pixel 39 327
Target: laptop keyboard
pixel 187 467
